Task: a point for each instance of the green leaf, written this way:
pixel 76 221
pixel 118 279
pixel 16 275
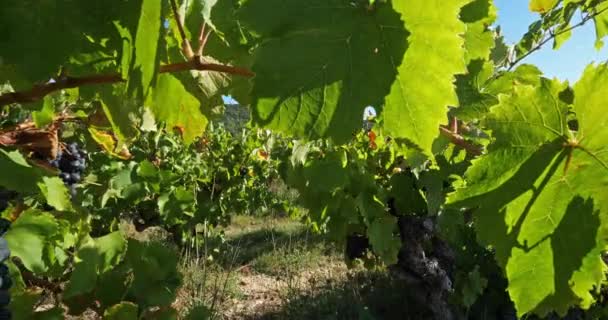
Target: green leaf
pixel 45 116
pixel 473 287
pixel 601 24
pixel 381 233
pixel 29 236
pixel 123 310
pixel 200 313
pixel 175 106
pixel 474 101
pixel 56 193
pixel 408 199
pixel 163 314
pixel 146 43
pixel 121 110
pixel 114 286
pixel 314 76
pixel 539 193
pixel 418 101
pixel 478 39
pixel 156 278
pixel 146 169
pixel 23 303
pixel 175 206
pixel 126 58
pixel 93 258
pixel 326 175
pixel 23 178
pixel 68 34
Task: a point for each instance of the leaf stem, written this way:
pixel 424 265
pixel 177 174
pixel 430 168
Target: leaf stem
pixel 186 47
pixel 459 140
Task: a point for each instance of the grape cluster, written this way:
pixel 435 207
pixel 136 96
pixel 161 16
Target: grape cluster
pixel 5 280
pixel 72 164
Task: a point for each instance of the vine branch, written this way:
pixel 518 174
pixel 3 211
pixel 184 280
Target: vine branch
pixel 553 35
pixel 460 141
pixel 38 92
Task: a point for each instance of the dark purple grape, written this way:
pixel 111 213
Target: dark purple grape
pixel 72 165
pixel 5 298
pixel 7 283
pixel 5 314
pixel 75 177
pixel 4 226
pixel 73 190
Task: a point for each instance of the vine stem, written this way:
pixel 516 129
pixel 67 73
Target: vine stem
pixel 459 140
pixel 553 35
pixel 186 47
pixel 540 44
pixel 38 92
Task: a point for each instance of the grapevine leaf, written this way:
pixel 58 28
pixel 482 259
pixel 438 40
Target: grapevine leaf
pixel 408 199
pixel 200 312
pixel 174 105
pixel 146 169
pixel 155 273
pixel 172 207
pixel 146 43
pixel 418 101
pixel 123 310
pixel 163 314
pixel 478 39
pixel 56 193
pixel 538 127
pixel 601 24
pixel 126 58
pixel 23 177
pixel 24 303
pixel 474 102
pixel 310 69
pixel 44 116
pixel 115 285
pixel 120 109
pixel 326 174
pixel 93 258
pixel 66 34
pixel 539 193
pixel 542 6
pixel 382 238
pixel 109 144
pixel 478 44
pixel 473 287
pixel 28 237
pixel 50 314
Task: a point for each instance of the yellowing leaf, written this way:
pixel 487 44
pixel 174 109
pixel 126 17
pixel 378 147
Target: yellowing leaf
pixel 542 6
pixel 109 144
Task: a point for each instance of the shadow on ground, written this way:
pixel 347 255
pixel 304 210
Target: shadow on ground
pixel 363 295
pixel 246 247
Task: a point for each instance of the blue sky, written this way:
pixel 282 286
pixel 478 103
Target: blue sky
pixel 569 61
